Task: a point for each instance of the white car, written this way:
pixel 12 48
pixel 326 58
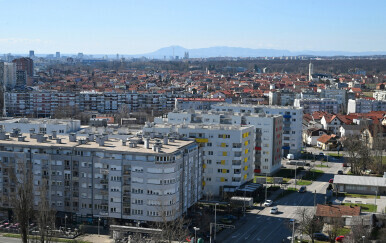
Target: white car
pixel 268 203
pixel 274 210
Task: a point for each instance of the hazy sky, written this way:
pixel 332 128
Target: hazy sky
pixel 134 27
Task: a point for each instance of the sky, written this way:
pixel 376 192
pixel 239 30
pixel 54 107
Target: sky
pixel 143 26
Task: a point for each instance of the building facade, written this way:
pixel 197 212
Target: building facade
pixel 227 152
pixel 365 106
pixel 323 104
pixel 138 180
pixel 292 122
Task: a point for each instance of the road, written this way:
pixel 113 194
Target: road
pixel 9 240
pixel 260 226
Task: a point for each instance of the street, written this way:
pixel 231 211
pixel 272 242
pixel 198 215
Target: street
pixel 260 226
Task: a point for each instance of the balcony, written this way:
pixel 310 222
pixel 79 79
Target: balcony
pixel 104 181
pixel 104 171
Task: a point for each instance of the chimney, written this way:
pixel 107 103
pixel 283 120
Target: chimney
pixel 50 137
pixel 124 142
pixel 3 136
pixel 166 142
pixel 147 143
pixel 54 134
pixel 91 137
pixel 21 139
pixel 32 133
pixel 58 140
pixel 101 142
pixel 72 137
pixel 40 138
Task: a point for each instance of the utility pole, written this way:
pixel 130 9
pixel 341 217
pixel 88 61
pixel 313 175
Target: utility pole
pixel 266 185
pixel 293 231
pixel 315 198
pixel 215 221
pixel 244 202
pixel 296 169
pixel 375 201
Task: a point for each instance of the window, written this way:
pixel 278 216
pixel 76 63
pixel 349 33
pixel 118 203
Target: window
pixel 209 144
pixel 210 152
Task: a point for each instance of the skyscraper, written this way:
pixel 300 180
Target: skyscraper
pixel 31 54
pixel 310 71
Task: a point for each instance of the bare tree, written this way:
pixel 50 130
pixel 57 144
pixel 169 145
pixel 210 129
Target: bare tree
pixel 308 223
pixel 333 228
pixel 358 154
pixel 22 198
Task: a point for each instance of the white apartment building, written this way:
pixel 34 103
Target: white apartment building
pixel 292 122
pixel 88 178
pixel 8 74
pixel 365 106
pixel 323 104
pixel 45 126
pixel 268 131
pixel 227 152
pixel 379 95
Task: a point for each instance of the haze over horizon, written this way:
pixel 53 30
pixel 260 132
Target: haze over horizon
pixel 139 27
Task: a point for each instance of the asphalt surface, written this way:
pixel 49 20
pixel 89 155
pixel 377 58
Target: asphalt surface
pixel 258 225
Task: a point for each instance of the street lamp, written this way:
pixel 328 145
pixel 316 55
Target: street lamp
pixel 99 220
pixel 363 238
pixel 195 233
pixel 65 222
pixel 293 231
pixel 215 221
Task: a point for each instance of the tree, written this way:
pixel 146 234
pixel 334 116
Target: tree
pixel 21 197
pixel 333 228
pixel 358 154
pixel 308 223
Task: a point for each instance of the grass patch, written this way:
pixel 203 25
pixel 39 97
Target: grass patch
pixel 368 94
pixel 303 183
pixel 37 237
pixel 321 166
pixel 361 195
pixel 364 207
pixel 270 179
pixel 343 231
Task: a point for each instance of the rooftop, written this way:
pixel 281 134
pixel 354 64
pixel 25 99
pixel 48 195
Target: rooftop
pixel 360 180
pixel 200 126
pixel 337 211
pixel 39 121
pixel 112 144
pixel 258 106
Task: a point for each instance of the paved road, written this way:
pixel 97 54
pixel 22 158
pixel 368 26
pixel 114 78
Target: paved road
pixel 260 226
pixel 9 240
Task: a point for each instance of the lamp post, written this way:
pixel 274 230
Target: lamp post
pixel 195 233
pixel 215 221
pixel 293 231
pixel 65 222
pixel 315 198
pixel 99 220
pixel 363 238
pixel 266 185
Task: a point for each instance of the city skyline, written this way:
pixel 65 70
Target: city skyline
pixel 134 27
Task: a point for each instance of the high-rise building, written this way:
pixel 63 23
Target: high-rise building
pixel 310 71
pixel 57 55
pixel 25 64
pixel 2 89
pixel 31 54
pixel 9 75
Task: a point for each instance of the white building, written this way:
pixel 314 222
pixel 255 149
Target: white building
pixel 268 129
pixel 365 106
pixel 8 74
pixel 141 180
pixel 45 126
pixel 379 95
pixel 340 95
pixel 227 152
pixel 323 104
pixel 292 122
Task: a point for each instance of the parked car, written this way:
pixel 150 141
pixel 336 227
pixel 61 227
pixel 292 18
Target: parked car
pixel 331 181
pixel 340 172
pixel 339 238
pixel 321 237
pixel 321 154
pixel 274 210
pixel 268 203
pixel 303 189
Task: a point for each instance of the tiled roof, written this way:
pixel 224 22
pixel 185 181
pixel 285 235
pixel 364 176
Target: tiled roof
pixel 337 211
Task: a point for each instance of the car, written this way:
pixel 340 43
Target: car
pixel 331 181
pixel 321 237
pixel 274 210
pixel 321 154
pixel 340 172
pixel 339 238
pixel 268 203
pixel 303 189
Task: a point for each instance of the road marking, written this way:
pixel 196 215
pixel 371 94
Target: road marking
pixel 235 236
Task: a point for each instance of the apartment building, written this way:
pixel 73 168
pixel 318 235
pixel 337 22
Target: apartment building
pixel 268 132
pixel 340 95
pixel 365 106
pixel 45 103
pixel 379 94
pixel 227 152
pixel 137 180
pixel 281 97
pixel 292 122
pixel 45 126
pixel 323 104
pixel 198 103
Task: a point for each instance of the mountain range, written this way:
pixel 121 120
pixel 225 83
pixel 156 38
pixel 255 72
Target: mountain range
pixel 226 51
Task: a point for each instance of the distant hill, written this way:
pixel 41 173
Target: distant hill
pixel 225 51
